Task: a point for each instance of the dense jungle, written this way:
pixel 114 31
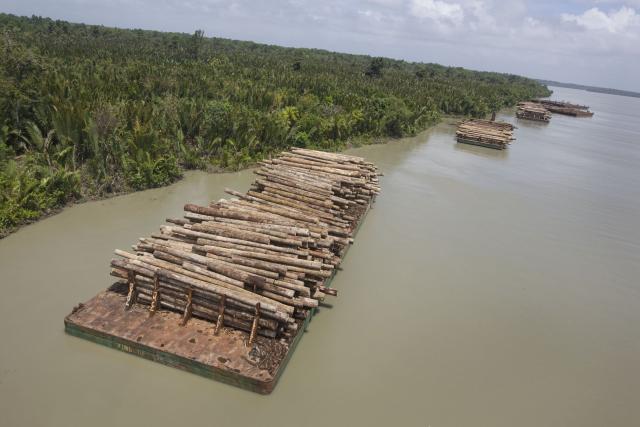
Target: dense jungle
pixel 88 111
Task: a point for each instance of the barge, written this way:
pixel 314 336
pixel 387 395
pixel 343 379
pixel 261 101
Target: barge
pixel 485 133
pixel 566 108
pixel 533 111
pixel 228 290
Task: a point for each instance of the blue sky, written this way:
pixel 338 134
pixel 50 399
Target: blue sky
pixel 593 42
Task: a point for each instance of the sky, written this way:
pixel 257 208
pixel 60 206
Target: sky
pixel 592 42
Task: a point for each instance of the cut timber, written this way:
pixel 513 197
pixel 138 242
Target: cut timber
pixel 253 267
pixel 563 107
pixel 485 133
pixel 533 111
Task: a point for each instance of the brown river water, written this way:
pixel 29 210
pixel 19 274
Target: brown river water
pixel 485 288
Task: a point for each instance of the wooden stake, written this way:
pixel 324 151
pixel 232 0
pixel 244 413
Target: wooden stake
pixel 220 315
pixel 133 293
pixel 156 294
pixel 254 327
pixel 188 308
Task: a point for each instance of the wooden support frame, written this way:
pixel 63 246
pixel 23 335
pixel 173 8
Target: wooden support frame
pixel 156 295
pixel 254 327
pixel 188 308
pixel 133 293
pixel 220 320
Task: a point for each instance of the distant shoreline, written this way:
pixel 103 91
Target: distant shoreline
pixel 591 88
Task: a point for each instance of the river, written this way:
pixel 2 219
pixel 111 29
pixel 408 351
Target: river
pixel 485 288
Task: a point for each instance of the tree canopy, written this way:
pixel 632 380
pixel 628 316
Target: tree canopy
pixel 88 110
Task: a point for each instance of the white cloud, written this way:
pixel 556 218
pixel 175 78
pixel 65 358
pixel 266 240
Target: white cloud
pixel 534 29
pixel 371 14
pixel 481 16
pixel 613 22
pixel 437 10
pixel 385 2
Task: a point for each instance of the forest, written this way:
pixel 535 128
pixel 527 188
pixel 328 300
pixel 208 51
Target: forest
pixel 88 111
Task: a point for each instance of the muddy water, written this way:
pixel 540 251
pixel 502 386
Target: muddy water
pixel 484 289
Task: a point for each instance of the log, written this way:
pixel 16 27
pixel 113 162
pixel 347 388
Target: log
pixel 274 245
pixel 310 265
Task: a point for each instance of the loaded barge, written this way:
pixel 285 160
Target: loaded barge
pixel 485 133
pixel 228 290
pixel 532 111
pixel 566 108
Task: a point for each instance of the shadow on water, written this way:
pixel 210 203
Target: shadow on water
pixel 489 153
pixel 531 124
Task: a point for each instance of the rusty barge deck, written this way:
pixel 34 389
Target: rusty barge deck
pixel 192 348
pixel 186 336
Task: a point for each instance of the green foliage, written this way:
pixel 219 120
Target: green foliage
pixel 145 172
pixel 375 67
pixel 87 110
pixel 27 191
pixel 196 43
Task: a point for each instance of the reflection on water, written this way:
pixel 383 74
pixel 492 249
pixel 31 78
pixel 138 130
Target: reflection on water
pixel 485 288
pixel 481 151
pixel 532 123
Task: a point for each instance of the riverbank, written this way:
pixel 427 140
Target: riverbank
pixel 354 143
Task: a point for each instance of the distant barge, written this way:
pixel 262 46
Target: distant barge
pixel 566 108
pixel 228 290
pixel 532 111
pixel 485 133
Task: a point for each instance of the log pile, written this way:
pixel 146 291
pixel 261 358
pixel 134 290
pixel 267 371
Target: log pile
pixel 563 104
pixel 485 133
pixel 257 262
pixel 532 111
pixel 566 108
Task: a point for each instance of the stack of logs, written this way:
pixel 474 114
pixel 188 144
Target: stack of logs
pixel 485 133
pixel 260 261
pixel 532 111
pixel 563 107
